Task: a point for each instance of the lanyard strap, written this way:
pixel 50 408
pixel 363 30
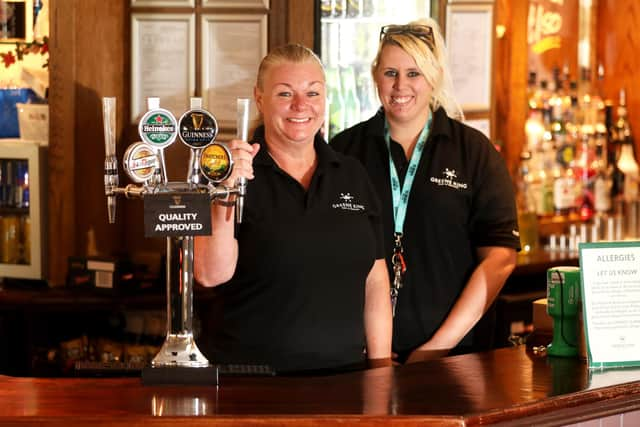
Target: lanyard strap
pixel 400 196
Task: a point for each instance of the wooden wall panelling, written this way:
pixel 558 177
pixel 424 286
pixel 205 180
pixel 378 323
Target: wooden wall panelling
pixel 618 48
pixel 100 72
pixel 278 13
pixel 301 22
pixel 61 177
pixel 86 64
pixel 510 79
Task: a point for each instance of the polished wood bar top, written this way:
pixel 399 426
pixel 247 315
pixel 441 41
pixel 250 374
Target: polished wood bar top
pixel 503 386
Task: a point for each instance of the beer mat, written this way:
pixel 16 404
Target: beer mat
pixel 179 375
pixel 107 369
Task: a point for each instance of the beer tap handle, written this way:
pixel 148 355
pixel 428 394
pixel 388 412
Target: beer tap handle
pixel 242 124
pixel 110 161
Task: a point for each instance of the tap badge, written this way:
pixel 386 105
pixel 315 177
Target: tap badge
pixel 198 128
pixel 158 128
pixel 216 162
pixel 140 162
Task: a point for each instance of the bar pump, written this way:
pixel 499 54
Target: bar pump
pixel 563 305
pixel 144 163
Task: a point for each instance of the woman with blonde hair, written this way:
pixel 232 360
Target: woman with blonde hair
pixel 301 284
pixel 448 208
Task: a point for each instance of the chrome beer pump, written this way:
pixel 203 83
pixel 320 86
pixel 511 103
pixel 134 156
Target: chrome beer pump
pixel 177 210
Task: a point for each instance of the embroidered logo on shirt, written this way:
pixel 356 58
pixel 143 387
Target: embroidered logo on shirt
pixel 347 202
pixel 449 180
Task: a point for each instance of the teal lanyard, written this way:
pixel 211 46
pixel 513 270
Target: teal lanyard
pixel 400 196
pixel 400 199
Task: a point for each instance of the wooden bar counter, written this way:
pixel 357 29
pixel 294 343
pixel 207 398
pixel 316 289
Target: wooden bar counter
pixel 508 386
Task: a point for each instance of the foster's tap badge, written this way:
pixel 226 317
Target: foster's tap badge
pixel 158 128
pixel 198 128
pixel 216 163
pixel 140 162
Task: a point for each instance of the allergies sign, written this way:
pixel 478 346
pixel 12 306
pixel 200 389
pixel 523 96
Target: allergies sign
pixel 611 302
pixel 177 214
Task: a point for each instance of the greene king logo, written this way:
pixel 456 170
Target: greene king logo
pixel 448 179
pixel 346 202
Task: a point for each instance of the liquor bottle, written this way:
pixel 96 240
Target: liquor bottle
pixel 625 174
pixel 585 174
pixel 368 8
pixel 602 189
pixel 565 186
pixel 599 103
pixel 527 218
pixel 531 91
pixel 541 96
pixel 545 178
pixel 629 168
pixel 336 102
pixel 570 104
pixel 353 8
pixel 351 102
pixel 534 130
pixel 339 8
pixel 366 94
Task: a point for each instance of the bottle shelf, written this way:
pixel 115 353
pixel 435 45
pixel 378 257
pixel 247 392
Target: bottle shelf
pixel 14 211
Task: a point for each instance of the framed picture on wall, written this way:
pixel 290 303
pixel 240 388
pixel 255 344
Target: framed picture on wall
pixel 236 3
pixel 232 47
pixel 469 38
pixel 16 20
pixel 162 61
pixel 482 124
pixel 163 3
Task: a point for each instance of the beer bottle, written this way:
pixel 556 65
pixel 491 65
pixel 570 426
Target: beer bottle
pixel 527 218
pixel 336 102
pixel 351 102
pixel 325 8
pixel 353 8
pixel 339 7
pixel 367 8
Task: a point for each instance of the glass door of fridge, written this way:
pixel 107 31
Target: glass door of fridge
pixel 349 35
pixel 21 210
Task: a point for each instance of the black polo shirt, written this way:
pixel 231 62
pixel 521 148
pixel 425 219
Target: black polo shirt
pixel 461 199
pixel 296 300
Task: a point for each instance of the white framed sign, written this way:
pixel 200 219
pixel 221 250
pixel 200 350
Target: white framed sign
pixel 163 3
pixel 469 35
pixel 162 61
pixel 610 290
pixel 232 48
pixel 236 3
pixel 483 125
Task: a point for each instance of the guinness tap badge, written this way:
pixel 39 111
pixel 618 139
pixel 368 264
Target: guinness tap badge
pixel 216 163
pixel 198 128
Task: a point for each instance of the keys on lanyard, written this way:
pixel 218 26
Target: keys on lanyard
pixel 399 268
